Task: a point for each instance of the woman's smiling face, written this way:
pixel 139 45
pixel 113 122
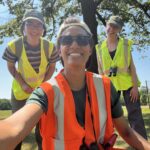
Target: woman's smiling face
pixel 112 29
pixel 33 29
pixel 75 47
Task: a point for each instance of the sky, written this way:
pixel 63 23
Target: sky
pixel 142 64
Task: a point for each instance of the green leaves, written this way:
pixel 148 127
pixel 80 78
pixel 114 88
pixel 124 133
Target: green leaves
pixel 136 13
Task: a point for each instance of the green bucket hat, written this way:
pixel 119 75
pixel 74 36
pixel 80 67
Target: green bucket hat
pixel 116 20
pixel 33 14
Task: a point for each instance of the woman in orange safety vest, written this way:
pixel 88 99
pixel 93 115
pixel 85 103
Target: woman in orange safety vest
pixel 77 108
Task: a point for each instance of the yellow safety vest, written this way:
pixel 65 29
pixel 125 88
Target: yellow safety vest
pixel 27 72
pixel 121 60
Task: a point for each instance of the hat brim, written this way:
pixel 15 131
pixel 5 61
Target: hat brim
pixel 115 23
pixel 33 18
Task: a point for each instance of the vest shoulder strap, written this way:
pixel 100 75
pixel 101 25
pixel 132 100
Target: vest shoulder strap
pixel 46 48
pixel 99 58
pixel 126 51
pixel 19 46
pixel 126 44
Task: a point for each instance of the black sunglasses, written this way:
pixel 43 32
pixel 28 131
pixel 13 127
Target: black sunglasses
pixel 80 39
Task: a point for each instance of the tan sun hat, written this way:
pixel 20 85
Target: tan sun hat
pixel 116 20
pixel 33 14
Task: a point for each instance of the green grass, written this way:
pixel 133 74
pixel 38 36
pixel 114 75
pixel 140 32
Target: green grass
pixel 4 114
pixel 146 116
pixel 30 144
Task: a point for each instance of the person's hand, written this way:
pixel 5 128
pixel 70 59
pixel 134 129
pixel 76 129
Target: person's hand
pixel 134 94
pixel 27 88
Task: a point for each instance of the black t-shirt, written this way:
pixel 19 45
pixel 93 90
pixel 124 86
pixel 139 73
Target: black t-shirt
pixel 112 54
pixel 79 99
pixel 39 97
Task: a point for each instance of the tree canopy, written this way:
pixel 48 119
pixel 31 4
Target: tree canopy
pixel 135 13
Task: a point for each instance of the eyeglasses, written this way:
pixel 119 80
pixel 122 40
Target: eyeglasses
pixel 80 39
pixel 32 25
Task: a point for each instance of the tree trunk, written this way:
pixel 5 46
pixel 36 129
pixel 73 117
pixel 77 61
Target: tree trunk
pixel 89 16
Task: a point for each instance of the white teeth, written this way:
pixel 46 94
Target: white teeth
pixel 75 54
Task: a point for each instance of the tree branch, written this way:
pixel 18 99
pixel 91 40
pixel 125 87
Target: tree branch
pixel 101 18
pixel 144 7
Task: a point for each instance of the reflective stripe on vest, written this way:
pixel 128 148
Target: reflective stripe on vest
pixel 28 73
pixel 15 47
pixel 99 59
pixel 125 69
pixel 121 60
pixel 59 127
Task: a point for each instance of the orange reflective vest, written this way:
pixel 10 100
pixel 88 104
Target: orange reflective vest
pixel 59 127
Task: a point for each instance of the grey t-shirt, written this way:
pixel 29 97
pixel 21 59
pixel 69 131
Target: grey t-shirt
pixel 39 97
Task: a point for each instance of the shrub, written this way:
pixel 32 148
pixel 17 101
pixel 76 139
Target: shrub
pixel 5 104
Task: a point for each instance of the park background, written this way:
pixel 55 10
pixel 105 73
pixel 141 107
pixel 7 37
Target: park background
pixel 141 60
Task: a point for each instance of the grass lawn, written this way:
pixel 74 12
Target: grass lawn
pixel 30 144
pixel 146 116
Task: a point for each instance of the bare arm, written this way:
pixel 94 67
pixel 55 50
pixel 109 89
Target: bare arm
pixel 15 128
pixel 134 91
pixel 50 71
pixel 18 77
pixel 129 135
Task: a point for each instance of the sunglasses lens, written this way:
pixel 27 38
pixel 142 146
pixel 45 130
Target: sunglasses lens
pixel 66 40
pixel 81 40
